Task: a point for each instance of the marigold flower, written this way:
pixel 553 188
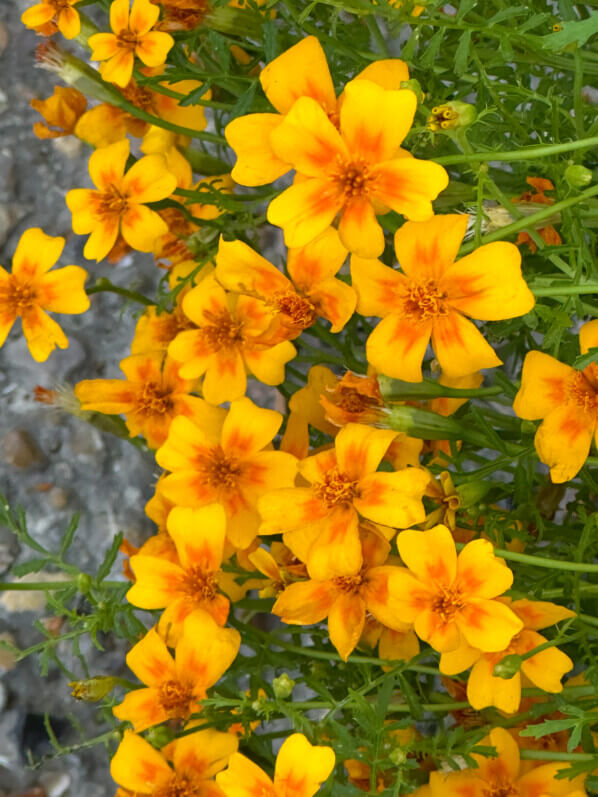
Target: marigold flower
pixel 344 600
pixel 60 112
pixel 502 775
pixel 150 397
pixel 301 71
pixel 227 343
pixel 320 523
pixel 222 460
pixel 280 567
pixel 175 687
pixel 544 669
pixel 295 303
pixel 300 770
pixel 432 295
pixel 196 758
pixel 32 288
pixel 449 598
pixel 131 36
pixel 567 401
pixel 306 410
pixel 119 203
pixel 358 171
pixel 194 580
pixel 58 12
pixel 548 234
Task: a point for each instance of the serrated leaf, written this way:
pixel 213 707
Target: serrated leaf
pixel 270 40
pixel 591 356
pixel 537 730
pixel 573 32
pixel 195 95
pixel 32 566
pixel 462 53
pixel 410 696
pixel 243 104
pixel 465 7
pixel 507 13
pixel 69 534
pixel 432 49
pixel 110 557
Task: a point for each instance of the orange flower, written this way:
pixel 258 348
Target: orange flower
pixel 196 758
pixel 60 112
pixel 194 580
pixel 295 304
pixel 58 12
pixel 300 770
pixel 548 234
pixel 119 203
pixel 321 522
pixel 306 410
pixel 223 461
pixel 432 295
pixel 451 598
pixel 358 171
pixel 131 36
pixel 344 600
pixel 280 567
pixel 301 71
pixel 227 343
pixel 567 401
pixel 32 288
pixel 152 394
pixel 175 687
pixel 544 669
pixel 502 776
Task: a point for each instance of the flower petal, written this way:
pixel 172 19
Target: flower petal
pixel 378 286
pixel 198 535
pixel 302 767
pixel 542 386
pixel 205 651
pixel 141 227
pixel 103 45
pixel 35 254
pixel 267 364
pixel 239 268
pixel 202 754
pixel 62 291
pixel 149 180
pixel 107 165
pixel 225 378
pixel 426 249
pixel 431 555
pixel 388 73
pixel 337 549
pixel 152 48
pixel 243 778
pixel 545 668
pixel 305 602
pixel 408 186
pixel 360 449
pixel 42 334
pixel 480 572
pixel 289 508
pixel 249 137
pixel 305 210
pixel 397 347
pixel 141 707
pixel 248 428
pixel 158 582
pixel 488 624
pixel 144 16
pixel 563 441
pixel 69 23
pixel 484 689
pixel 346 620
pixel 460 347
pixel 119 68
pixel 359 229
pixel 150 660
pixel 186 442
pixel 137 765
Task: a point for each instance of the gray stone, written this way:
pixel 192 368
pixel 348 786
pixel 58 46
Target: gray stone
pixel 19 449
pixel 55 784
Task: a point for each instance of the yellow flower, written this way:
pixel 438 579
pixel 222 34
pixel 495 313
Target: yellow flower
pixel 119 203
pixel 432 295
pixel 131 36
pixel 567 401
pixel 60 112
pixel 59 12
pixel 32 288
pixel 358 171
pixel 300 770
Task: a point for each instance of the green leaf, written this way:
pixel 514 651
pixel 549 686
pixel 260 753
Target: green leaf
pixel 32 566
pixel 465 7
pixel 69 534
pixel 462 53
pixel 432 49
pixel 507 13
pixel 270 40
pixel 537 730
pixel 110 558
pixel 591 356
pixel 243 104
pixel 196 94
pixel 573 32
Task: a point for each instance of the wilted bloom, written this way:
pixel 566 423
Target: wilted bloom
pixel 119 203
pixel 358 171
pixel 196 758
pixel 538 196
pixel 320 522
pixel 432 295
pixel 32 288
pixel 300 770
pixel 567 401
pixel 301 71
pixel 131 36
pixel 305 410
pixel 59 12
pixel 294 303
pixel 174 688
pixel 544 669
pixel 60 112
pixel 449 598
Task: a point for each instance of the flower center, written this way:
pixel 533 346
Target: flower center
pixel 175 698
pixel 221 331
pixel 139 96
pixel 60 5
pixel 500 789
pixel 443 117
pixel 126 39
pixel 218 470
pixel 154 399
pixel 336 488
pixel 354 178
pixel 351 584
pixel 17 296
pixel 110 202
pixel 200 584
pixel 447 603
pixel 178 786
pixel 579 391
pixel 300 310
pixel 424 300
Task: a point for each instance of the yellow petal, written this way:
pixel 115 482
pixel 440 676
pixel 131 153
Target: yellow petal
pixel 243 778
pixel 107 165
pixel 345 623
pixel 425 249
pixel 144 16
pixel 460 347
pixel 302 767
pixel 141 227
pixel 305 210
pixel 149 180
pixel 249 137
pixel 61 291
pixel 35 254
pixel 542 386
pixel 248 428
pixel 150 660
pixel 119 68
pixel 138 766
pixel 408 186
pixel 397 347
pixel 198 535
pixel 563 441
pixel 360 449
pixel 239 268
pixel 388 73
pixel 42 334
pixel 152 48
pixel 431 554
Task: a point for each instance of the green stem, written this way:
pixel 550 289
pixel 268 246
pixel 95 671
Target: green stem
pixel 541 561
pixel 105 286
pixel 551 755
pixel 564 290
pixel 522 154
pixel 44 586
pixel 396 390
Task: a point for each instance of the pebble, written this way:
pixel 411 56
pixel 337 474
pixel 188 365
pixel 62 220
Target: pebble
pixel 26 600
pixel 59 497
pixel 55 784
pixel 3 37
pixel 19 449
pixel 8 660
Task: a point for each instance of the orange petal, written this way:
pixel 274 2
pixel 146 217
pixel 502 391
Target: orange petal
pixel 225 378
pixel 248 428
pixel 240 269
pixel 61 291
pixel 345 623
pixel 305 210
pixel 301 767
pixel 249 137
pixel 200 755
pixel 244 778
pixel 484 689
pixel 42 334
pixel 393 499
pixel 186 442
pixel 408 186
pixel 137 765
pixel 337 549
pixel 542 386
pixel 69 23
pixel 359 229
pixel 305 602
pixel 360 449
pixel 142 708
pixel 144 16
pixel 205 651
pixel 103 45
pixel 119 68
pixel 546 668
pixel 425 249
pixel 157 582
pixel 35 254
pixel 107 165
pixel 431 555
pixel 388 73
pixel 588 336
pixel 150 660
pixel 141 227
pixel 149 180
pixel 378 286
pixel 480 572
pixel 198 535
pixel 152 48
pixel 460 347
pixel 563 441
pixel 488 624
pixel 310 265
pixel 267 365
pixel 397 347
pixel 540 614
pixel 504 768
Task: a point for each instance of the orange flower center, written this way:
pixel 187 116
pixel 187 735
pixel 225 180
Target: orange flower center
pixel 351 584
pixel 447 602
pixel 60 5
pixel 218 470
pixel 154 399
pixel 336 488
pixel 200 584
pixel 126 39
pixel 110 202
pixel 139 96
pixel 300 310
pixel 500 789
pixel 175 698
pixel 16 296
pixel 354 178
pixel 178 786
pixel 424 300
pixel 579 391
pixel 222 331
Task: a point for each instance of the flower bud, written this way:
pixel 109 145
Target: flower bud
pixel 471 492
pixel 283 686
pixel 577 175
pixel 508 667
pixel 84 583
pixel 528 427
pixel 450 115
pixel 92 689
pixel 160 736
pixel 398 756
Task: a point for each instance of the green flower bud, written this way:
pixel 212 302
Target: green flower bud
pixel 92 689
pixel 283 686
pixel 577 175
pixel 528 427
pixel 508 667
pixel 160 736
pixel 84 583
pixel 471 492
pixel 398 756
pixel 450 115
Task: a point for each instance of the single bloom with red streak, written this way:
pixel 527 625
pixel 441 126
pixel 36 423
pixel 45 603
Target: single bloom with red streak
pixel 432 297
pixel 566 400
pixel 49 15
